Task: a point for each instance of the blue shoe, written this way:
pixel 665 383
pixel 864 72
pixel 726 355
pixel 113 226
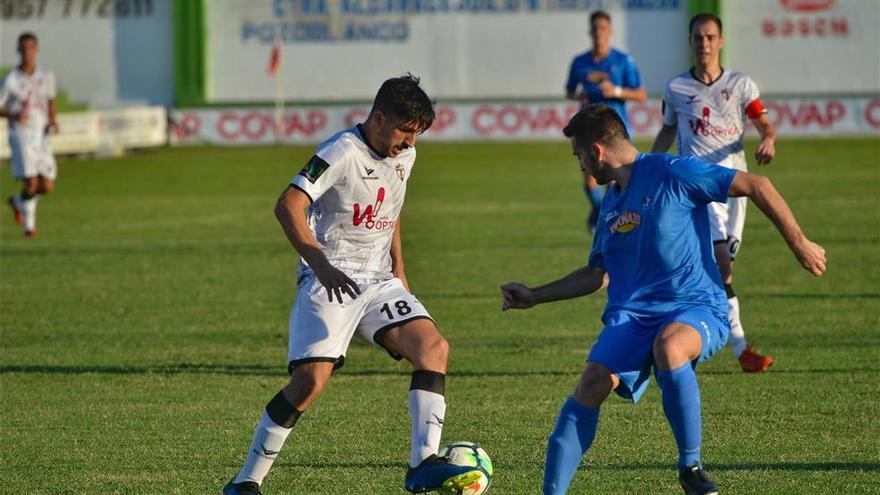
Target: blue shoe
pixel 244 488
pixel 436 473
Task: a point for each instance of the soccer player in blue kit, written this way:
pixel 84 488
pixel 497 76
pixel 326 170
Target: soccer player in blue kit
pixel 667 309
pixel 603 75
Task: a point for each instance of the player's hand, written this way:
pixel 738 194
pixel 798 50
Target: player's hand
pixel 336 282
pixel 22 117
pixel 608 89
pixel 52 128
pixel 517 296
pixel 811 256
pixel 765 152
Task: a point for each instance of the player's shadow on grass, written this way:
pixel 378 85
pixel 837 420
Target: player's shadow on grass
pixel 263 370
pixel 760 466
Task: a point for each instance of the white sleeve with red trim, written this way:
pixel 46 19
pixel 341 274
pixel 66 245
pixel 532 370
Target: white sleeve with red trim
pixel 322 171
pixel 751 100
pixel 669 118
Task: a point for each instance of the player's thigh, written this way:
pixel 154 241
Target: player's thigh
pixel 24 163
pixel 624 347
pixel 710 330
pixel 320 330
pixel 396 321
pixel 47 169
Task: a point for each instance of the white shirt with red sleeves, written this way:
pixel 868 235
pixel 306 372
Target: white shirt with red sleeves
pixel 711 118
pixel 356 200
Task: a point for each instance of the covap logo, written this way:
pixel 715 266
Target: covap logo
pixel 625 223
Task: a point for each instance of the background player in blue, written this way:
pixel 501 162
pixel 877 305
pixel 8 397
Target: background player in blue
pixel 603 75
pixel 666 307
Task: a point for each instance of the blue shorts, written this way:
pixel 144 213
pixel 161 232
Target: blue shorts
pixel 625 346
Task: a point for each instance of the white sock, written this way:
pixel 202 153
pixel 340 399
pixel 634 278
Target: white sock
pixel 267 442
pixel 427 410
pixel 737 334
pixel 28 208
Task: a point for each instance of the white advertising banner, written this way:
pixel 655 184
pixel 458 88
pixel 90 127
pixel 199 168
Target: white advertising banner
pixel 805 46
pixel 497 121
pixel 336 50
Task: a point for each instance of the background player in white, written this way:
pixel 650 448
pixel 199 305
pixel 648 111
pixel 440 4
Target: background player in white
pixel 27 100
pixel 351 281
pixel 706 108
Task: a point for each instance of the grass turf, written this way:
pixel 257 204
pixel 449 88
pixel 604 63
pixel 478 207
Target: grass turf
pixel 146 326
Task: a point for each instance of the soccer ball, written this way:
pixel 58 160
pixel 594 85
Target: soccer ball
pixel 470 454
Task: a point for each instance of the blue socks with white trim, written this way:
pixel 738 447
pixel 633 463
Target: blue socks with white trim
pixel 573 435
pixel 681 403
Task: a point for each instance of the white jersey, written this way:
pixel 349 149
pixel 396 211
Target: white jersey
pixel 711 118
pixel 356 201
pixel 29 93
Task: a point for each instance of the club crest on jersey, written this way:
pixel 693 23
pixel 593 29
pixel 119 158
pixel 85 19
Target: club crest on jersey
pixel 627 221
pixel 400 171
pixel 726 94
pixel 314 169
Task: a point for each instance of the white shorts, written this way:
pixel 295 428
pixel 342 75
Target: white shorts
pixel 32 157
pixel 321 330
pixel 726 222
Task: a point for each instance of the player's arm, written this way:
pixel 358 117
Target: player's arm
pixel 52 127
pixel 290 210
pixel 581 282
pixel 767 147
pixel 664 138
pixel 610 90
pixel 761 191
pixel 397 256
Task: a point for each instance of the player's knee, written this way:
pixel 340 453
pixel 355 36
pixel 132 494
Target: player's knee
pixel 432 354
pixel 306 383
pixel 594 386
pixel 31 186
pixel 45 187
pixel 675 347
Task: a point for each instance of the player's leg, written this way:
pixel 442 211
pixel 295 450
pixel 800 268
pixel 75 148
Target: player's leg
pixel 594 193
pixel 749 360
pixel 620 361
pixel 320 332
pixel 678 345
pixel 307 381
pixel 26 203
pixel 575 427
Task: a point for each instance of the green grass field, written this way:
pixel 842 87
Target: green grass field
pixel 146 327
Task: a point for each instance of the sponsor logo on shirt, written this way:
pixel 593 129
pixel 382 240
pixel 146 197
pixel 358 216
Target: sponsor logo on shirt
pixel 369 172
pixel 703 126
pixel 627 221
pixel 369 216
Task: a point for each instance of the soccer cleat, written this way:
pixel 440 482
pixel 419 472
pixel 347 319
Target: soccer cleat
pixel 752 362
pixel 30 233
pixel 244 488
pixel 436 473
pixel 695 481
pixel 19 216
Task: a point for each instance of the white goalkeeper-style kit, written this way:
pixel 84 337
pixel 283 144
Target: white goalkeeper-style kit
pixel 711 121
pixel 357 198
pixel 28 141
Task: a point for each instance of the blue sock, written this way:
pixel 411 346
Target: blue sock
pixel 681 403
pixel 573 435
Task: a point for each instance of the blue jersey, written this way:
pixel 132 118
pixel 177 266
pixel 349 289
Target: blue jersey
pixel 618 67
pixel 653 238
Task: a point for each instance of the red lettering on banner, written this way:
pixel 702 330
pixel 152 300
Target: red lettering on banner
pixel 512 119
pixel 805 27
pixel 807 113
pixel 256 126
pixel 872 114
pixel 189 125
pixel 222 126
pixel 807 5
pixel 315 120
pixel 444 118
pixel 355 116
pixel 644 119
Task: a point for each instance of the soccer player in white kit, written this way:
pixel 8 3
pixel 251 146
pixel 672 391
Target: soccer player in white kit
pixel 342 215
pixel 706 108
pixel 27 100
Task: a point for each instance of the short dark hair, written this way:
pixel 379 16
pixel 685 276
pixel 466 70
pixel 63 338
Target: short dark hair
pixel 599 14
pixel 702 18
pixel 596 123
pixel 27 35
pixel 402 98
